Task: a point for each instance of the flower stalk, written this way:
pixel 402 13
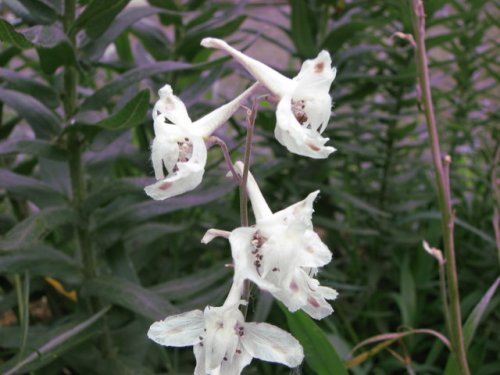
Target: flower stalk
pixel 442 181
pixel 251 116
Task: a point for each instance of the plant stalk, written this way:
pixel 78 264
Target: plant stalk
pixel 251 115
pixel 447 215
pixel 75 151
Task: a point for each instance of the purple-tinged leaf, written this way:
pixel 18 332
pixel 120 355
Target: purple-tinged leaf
pixel 130 296
pixel 94 49
pixel 98 16
pixel 30 189
pixel 35 228
pixel 471 325
pixel 131 115
pixel 9 35
pixel 59 343
pixel 53 47
pixel 44 122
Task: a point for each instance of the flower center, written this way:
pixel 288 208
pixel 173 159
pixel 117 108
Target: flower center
pixel 185 152
pixel 257 241
pixel 298 109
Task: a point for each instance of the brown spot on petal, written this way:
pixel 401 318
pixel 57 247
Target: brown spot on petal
pixel 318 68
pixel 165 186
pixel 294 286
pixel 313 302
pixel 313 147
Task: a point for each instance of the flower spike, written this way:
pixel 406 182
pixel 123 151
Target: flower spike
pixel 281 253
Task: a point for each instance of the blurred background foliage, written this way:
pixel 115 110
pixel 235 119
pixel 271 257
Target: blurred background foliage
pixel 88 261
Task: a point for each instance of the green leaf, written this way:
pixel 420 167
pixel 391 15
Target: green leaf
pixel 58 343
pixel 9 35
pixel 190 45
pixel 33 229
pixel 53 47
pixel 146 210
pixel 41 10
pixel 39 260
pixel 94 49
pixel 132 114
pixel 44 122
pixel 30 86
pixel 471 325
pixel 435 215
pixel 355 201
pixel 320 355
pixel 42 149
pixel 302 33
pixel 31 189
pixel 98 16
pixel 187 286
pixel 34 11
pixel 343 33
pixel 130 296
pixel 101 96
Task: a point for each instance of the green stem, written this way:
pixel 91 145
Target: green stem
pixel 447 216
pixel 75 153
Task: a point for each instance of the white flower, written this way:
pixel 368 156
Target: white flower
pixel 281 253
pixel 305 104
pixel 179 146
pixel 223 343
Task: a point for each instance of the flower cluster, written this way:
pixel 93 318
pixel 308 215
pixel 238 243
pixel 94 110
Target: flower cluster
pixel 281 253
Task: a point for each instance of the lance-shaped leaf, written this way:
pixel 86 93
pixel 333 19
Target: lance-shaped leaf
pixel 30 86
pixel 131 296
pixel 62 339
pixel 9 35
pixel 33 229
pixel 29 188
pixel 35 11
pixel 44 122
pixel 94 49
pixel 471 325
pixel 98 16
pixel 132 114
pixel 39 260
pixel 321 356
pixel 53 47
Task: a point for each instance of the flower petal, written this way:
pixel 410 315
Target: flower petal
pixel 164 149
pixel 316 75
pixel 240 360
pixel 305 293
pixel 210 122
pixel 277 83
pixel 241 250
pixel 297 138
pixel 171 107
pixel 269 343
pixel 259 205
pixel 178 330
pixel 186 178
pixel 199 355
pixel 221 339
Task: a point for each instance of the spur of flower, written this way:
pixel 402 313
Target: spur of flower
pixel 223 343
pixel 281 252
pixel 304 107
pixel 179 143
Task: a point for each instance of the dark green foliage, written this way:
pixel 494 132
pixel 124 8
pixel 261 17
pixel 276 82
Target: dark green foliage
pixel 72 178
